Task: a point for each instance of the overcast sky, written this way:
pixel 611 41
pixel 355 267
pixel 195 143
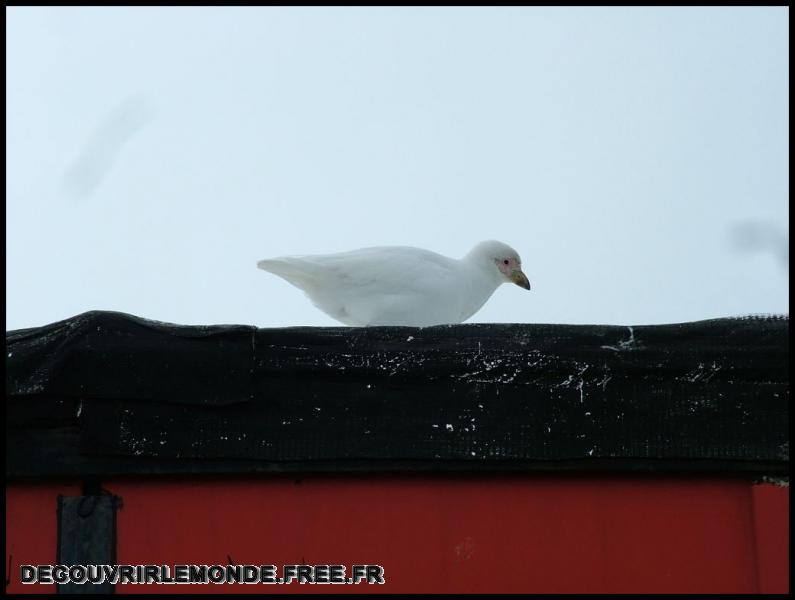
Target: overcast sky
pixel 637 158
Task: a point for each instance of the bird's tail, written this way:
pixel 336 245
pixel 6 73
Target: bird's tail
pixel 290 269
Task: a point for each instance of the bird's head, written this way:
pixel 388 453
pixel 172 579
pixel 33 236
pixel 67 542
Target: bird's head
pixel 503 260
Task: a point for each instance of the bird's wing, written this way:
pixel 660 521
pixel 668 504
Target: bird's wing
pixel 372 285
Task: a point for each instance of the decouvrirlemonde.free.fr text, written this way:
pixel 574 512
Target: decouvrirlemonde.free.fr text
pixel 199 574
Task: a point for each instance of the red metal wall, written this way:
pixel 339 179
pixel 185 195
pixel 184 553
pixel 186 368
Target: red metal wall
pixel 442 534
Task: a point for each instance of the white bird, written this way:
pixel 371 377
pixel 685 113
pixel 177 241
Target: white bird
pixel 400 285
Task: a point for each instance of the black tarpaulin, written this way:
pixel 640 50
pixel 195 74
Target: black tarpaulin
pixel 107 393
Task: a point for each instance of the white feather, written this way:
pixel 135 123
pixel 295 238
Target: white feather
pixel 395 285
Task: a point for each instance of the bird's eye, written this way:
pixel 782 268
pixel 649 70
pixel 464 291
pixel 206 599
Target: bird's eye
pixel 505 262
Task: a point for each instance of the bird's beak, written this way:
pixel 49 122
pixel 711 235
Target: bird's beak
pixel 520 279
